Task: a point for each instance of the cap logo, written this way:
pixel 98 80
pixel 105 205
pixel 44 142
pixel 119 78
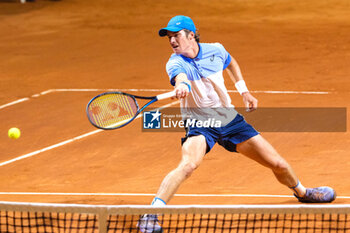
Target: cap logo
pixel 178 23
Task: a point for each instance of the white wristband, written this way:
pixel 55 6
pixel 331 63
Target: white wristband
pixel 241 87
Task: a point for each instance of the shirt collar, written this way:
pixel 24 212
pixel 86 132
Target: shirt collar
pixel 199 55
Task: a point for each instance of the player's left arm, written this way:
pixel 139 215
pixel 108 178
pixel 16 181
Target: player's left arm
pixel 236 76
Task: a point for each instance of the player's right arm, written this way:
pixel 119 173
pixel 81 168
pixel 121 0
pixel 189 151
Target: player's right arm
pixel 178 77
pixel 182 86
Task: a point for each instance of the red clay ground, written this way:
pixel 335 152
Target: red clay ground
pixel 280 45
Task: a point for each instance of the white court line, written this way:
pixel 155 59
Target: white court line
pixel 139 194
pixel 102 90
pixel 49 148
pixel 152 194
pixel 14 102
pixel 69 140
pixel 291 92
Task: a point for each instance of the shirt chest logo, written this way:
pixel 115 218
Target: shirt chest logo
pixel 212 58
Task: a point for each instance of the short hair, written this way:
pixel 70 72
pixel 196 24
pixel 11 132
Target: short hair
pixel 196 35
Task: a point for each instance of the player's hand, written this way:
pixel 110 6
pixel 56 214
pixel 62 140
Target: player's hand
pixel 182 91
pixel 249 101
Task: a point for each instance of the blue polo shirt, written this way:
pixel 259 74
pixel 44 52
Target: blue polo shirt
pixel 208 97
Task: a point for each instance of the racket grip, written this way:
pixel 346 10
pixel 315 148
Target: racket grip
pixel 166 95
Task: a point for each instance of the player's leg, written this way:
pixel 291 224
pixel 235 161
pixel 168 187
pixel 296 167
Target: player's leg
pixel 193 151
pixel 260 150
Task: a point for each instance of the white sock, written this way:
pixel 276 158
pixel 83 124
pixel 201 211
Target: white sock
pixel 299 189
pixel 158 202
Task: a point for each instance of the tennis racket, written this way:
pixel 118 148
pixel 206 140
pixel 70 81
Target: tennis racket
pixel 113 110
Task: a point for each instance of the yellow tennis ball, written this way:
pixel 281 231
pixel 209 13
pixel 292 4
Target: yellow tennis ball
pixel 14 133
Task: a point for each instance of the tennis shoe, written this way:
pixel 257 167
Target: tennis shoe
pixel 149 223
pixel 318 195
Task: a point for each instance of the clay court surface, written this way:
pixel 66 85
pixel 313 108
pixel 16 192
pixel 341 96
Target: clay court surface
pixel 71 45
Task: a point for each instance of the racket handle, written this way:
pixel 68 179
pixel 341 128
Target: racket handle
pixel 166 95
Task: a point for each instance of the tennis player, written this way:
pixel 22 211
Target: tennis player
pixel 196 71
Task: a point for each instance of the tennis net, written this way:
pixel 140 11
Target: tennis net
pixel 31 217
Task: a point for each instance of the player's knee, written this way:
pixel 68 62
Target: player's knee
pixel 188 168
pixel 280 166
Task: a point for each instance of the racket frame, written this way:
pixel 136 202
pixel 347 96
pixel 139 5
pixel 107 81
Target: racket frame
pixel 134 97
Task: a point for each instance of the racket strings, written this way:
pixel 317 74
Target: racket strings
pixel 112 110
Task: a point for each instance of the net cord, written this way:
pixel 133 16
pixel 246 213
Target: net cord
pixel 175 209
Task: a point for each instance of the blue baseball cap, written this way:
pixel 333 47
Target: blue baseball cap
pixel 178 23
